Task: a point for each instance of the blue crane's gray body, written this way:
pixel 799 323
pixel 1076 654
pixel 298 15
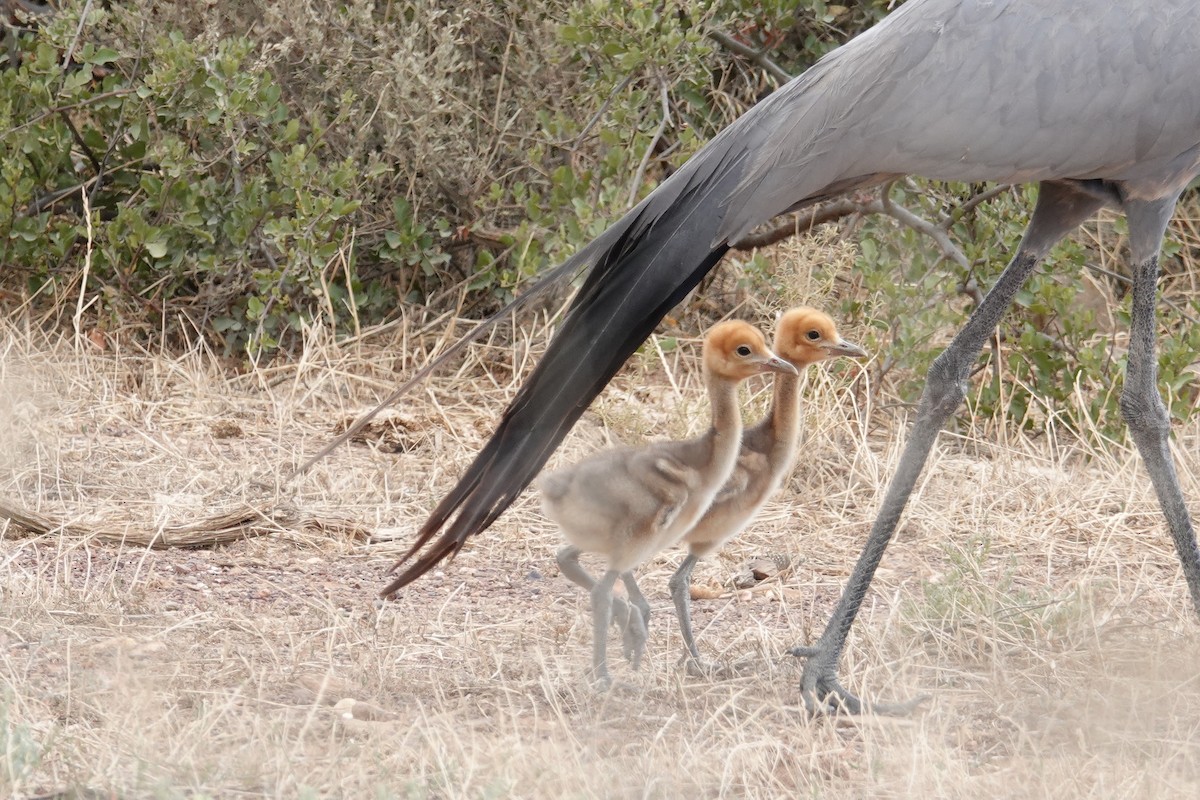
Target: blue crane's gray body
pixel 1097 100
pixel 1016 91
pixel 1012 91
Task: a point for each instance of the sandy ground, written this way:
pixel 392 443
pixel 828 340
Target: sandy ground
pixel 1032 592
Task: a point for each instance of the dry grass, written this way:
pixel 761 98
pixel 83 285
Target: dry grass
pixel 1032 590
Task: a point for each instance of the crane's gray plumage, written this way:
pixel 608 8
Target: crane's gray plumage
pixel 1097 100
pixel 1014 92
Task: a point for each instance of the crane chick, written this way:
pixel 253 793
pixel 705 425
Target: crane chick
pixel 629 503
pixel 803 337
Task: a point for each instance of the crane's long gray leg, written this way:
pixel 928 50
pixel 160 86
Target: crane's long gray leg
pixel 636 627
pixel 680 586
pixel 1141 404
pixel 601 609
pixel 569 566
pixel 1060 208
pixel 681 593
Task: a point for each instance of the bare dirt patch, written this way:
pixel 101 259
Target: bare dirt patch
pixel 1032 590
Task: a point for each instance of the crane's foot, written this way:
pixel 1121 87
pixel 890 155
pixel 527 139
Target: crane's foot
pixel 701 668
pixel 599 678
pixel 603 683
pixel 709 670
pixel 824 694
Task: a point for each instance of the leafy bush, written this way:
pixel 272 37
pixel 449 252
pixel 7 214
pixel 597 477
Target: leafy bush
pixel 357 155
pixel 1052 356
pixel 197 182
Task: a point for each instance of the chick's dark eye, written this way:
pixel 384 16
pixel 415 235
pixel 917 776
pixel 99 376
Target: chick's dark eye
pixel 743 350
pixel 813 335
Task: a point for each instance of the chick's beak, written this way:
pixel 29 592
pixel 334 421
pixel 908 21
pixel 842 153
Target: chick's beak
pixel 774 363
pixel 843 348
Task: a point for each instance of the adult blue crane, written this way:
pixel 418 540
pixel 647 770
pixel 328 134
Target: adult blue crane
pixel 1095 100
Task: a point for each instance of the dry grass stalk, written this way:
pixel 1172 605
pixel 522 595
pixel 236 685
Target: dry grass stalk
pixel 1031 589
pixel 236 524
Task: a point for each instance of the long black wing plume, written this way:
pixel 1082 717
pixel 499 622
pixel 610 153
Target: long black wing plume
pixel 652 258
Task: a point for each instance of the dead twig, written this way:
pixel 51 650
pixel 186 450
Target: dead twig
pixel 759 57
pixel 801 222
pixel 600 112
pixel 244 521
pixel 971 203
pixel 654 140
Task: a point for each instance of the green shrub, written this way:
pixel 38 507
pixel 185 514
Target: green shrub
pixel 357 155
pixel 209 188
pixel 1055 358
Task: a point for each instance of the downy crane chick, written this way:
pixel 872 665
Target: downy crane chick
pixel 630 503
pixel 804 336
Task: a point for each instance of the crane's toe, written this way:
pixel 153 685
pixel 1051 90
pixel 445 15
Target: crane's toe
pixel 827 696
pixel 822 693
pixel 708 670
pixel 601 680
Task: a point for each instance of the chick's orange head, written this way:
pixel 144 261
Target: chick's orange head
pixel 736 350
pixel 805 336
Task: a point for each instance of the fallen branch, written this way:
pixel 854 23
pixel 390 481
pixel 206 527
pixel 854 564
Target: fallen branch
pixel 636 183
pixel 801 222
pixel 759 57
pixel 244 521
